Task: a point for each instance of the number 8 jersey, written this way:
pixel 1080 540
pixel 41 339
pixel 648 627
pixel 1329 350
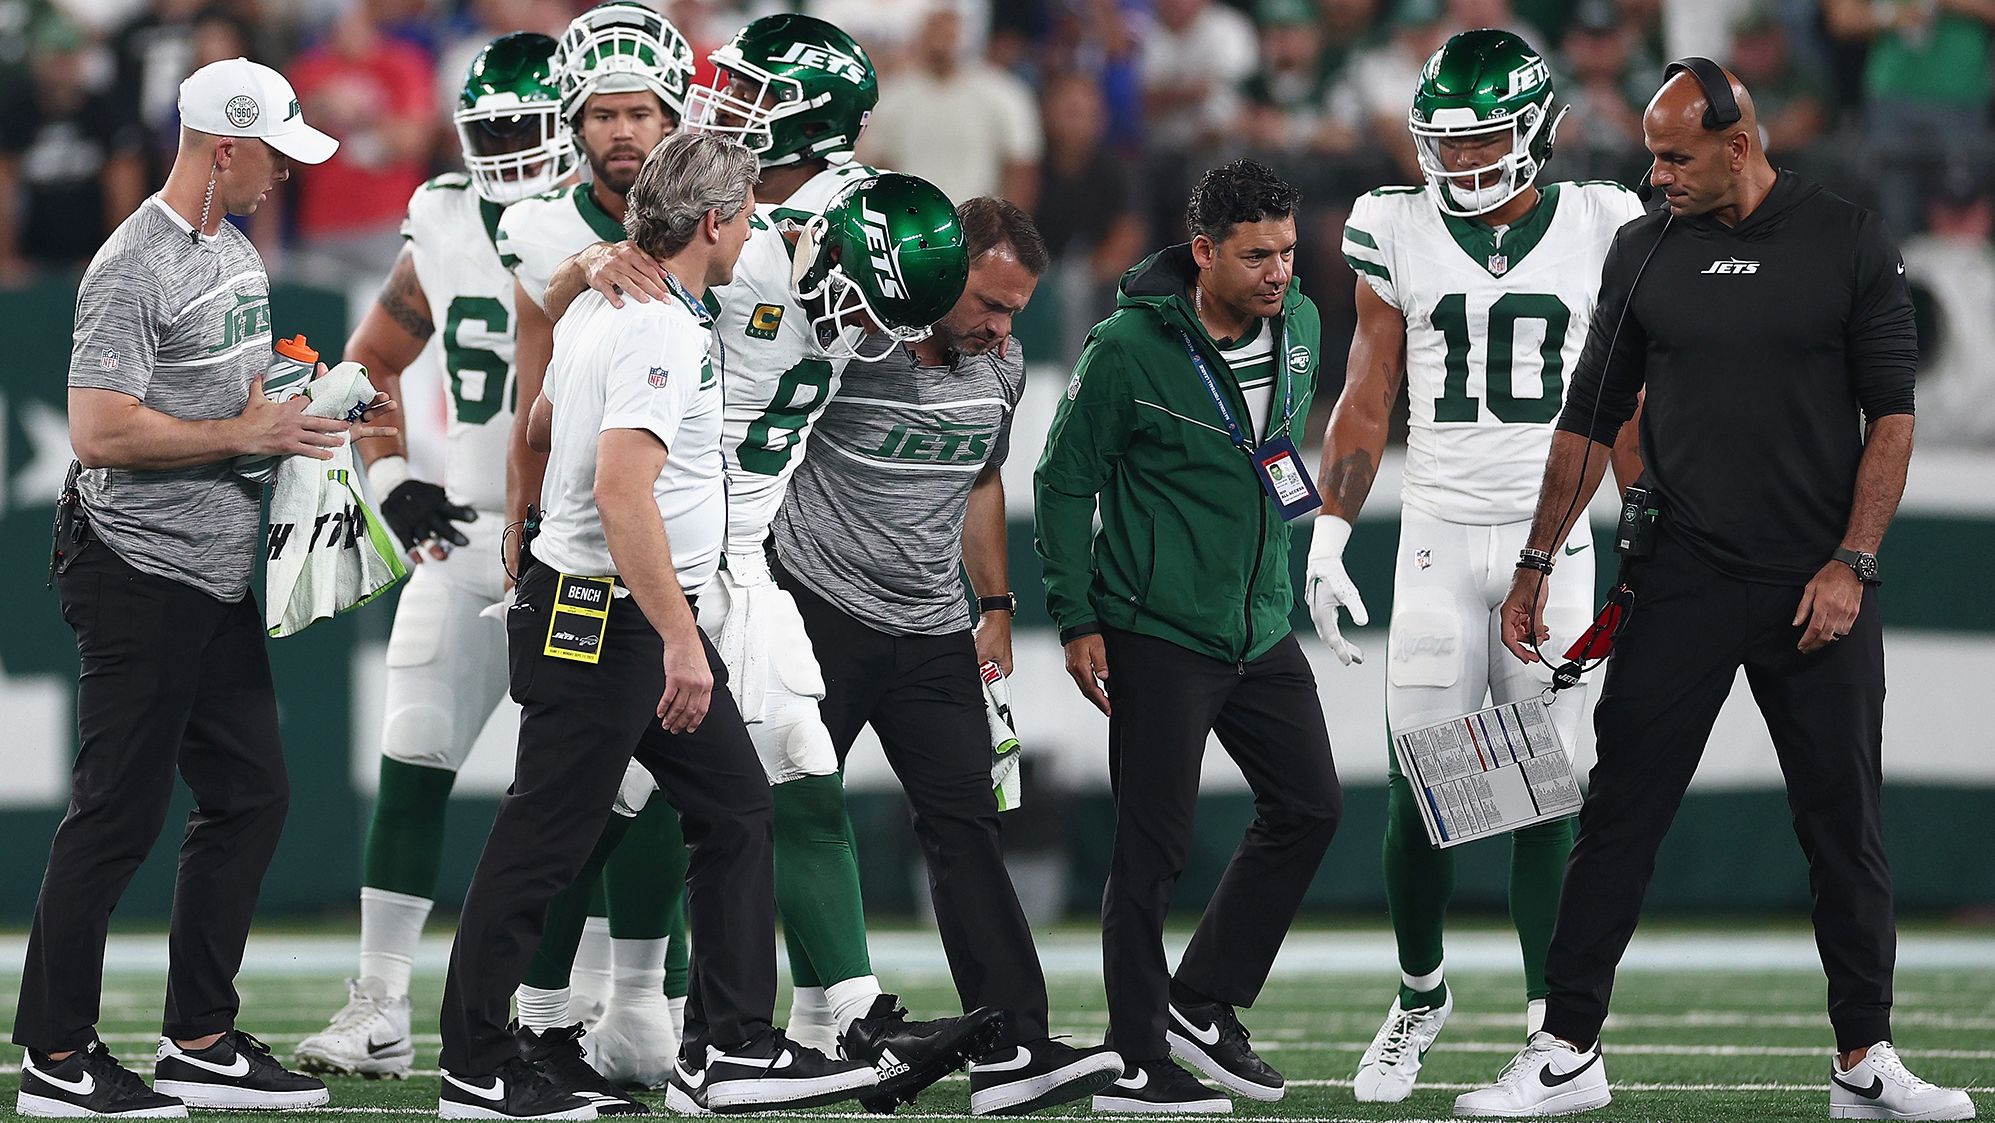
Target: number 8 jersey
pixel 1495 320
pixel 452 232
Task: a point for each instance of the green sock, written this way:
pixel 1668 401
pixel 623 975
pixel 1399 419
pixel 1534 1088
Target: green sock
pixel 645 878
pixel 405 835
pixel 817 882
pixel 561 931
pixel 1418 882
pixel 1537 869
pixel 677 952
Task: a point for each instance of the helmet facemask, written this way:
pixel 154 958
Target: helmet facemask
pixel 751 120
pixel 623 48
pixel 844 320
pixel 514 149
pixel 1477 191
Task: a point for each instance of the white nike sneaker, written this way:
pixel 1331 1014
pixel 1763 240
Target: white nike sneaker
pixel 1880 1087
pixel 1549 1077
pixel 1391 1063
pixel 633 1044
pixel 368 1037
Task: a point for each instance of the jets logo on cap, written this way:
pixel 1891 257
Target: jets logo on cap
pixel 293 111
pixel 241 111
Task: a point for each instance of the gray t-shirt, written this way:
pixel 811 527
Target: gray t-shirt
pixel 182 325
pixel 874 517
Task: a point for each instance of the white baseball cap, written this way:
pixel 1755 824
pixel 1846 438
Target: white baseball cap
pixel 237 97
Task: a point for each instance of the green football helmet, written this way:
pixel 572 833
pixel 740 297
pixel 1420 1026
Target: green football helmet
pixel 790 87
pixel 1479 83
pixel 887 256
pixel 508 119
pixel 622 47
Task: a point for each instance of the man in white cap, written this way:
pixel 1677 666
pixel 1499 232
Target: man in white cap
pixel 156 538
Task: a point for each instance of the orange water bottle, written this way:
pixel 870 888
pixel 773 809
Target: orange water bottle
pixel 290 370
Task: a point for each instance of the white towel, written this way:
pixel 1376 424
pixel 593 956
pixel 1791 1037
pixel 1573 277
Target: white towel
pixel 326 551
pixel 1006 783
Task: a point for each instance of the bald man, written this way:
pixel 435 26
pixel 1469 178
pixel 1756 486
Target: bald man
pixel 1766 324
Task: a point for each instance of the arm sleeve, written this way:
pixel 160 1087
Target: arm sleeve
pixel 1883 345
pixel 650 383
pixel 120 313
pixel 1090 431
pixel 1011 371
pixel 1363 250
pixel 1611 364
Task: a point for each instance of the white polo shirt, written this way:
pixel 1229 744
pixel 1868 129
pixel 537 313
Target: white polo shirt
pixel 642 366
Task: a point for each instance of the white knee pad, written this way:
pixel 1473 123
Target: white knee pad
pixel 791 739
pixel 635 792
pixel 446 673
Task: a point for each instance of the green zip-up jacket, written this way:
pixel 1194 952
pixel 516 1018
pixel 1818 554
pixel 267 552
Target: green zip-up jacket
pixel 1190 549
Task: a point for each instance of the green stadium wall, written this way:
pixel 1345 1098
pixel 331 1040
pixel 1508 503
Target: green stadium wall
pixel 1731 850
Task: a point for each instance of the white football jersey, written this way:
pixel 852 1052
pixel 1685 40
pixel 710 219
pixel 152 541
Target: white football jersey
pixel 453 232
pixel 536 235
pixel 1495 321
pixel 778 378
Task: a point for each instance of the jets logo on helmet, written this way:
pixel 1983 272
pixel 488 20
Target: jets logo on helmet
pixel 1483 84
pixel 887 256
pixel 791 88
pixel 623 47
pixel 508 119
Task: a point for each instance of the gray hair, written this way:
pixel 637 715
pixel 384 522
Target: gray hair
pixel 686 176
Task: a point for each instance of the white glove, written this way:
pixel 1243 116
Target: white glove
pixel 1328 587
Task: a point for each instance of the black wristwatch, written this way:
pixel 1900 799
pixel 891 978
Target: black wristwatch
pixel 1004 602
pixel 1865 565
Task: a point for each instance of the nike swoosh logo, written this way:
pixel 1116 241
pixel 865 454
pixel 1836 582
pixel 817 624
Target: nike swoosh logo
pixel 375 1049
pixel 1141 1082
pixel 80 1087
pixel 1552 1079
pixel 496 1092
pixel 237 1067
pixel 1875 1090
pixel 1023 1059
pixel 1571 550
pixel 1209 1035
pixel 779 1061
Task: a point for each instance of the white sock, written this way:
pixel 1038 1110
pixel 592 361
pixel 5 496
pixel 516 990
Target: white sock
pixel 541 1010
pixel 1421 984
pixel 1534 1016
pixel 678 1006
pixel 391 925
pixel 808 1007
pixel 590 974
pixel 851 999
pixel 637 973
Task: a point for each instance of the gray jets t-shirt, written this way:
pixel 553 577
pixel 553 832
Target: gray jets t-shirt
pixel 182 325
pixel 873 521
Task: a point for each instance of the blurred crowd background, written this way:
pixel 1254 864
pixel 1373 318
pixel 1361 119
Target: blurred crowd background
pixel 1094 114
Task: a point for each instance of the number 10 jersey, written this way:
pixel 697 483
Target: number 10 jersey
pixel 1495 320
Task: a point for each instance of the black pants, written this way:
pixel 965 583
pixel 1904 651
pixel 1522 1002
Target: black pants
pixel 1673 667
pixel 925 700
pixel 171 678
pixel 580 725
pixel 1165 700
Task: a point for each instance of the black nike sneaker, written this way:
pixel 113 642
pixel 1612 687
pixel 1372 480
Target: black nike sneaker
pixel 89 1082
pixel 557 1053
pixel 909 1056
pixel 776 1072
pixel 686 1088
pixel 237 1071
pixel 1160 1087
pixel 517 1090
pixel 1208 1036
pixel 1039 1074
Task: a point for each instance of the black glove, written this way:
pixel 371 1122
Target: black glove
pixel 418 511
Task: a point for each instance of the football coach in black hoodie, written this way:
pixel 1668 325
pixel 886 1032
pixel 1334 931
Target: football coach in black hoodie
pixel 1766 326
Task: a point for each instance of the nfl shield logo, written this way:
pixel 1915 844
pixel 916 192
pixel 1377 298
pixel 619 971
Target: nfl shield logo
pixel 1423 558
pixel 1499 264
pixel 108 360
pixel 656 378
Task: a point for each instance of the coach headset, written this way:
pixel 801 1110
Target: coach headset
pixel 1721 109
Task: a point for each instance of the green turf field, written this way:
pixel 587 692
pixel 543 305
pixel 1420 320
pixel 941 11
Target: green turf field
pixel 1691 1040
